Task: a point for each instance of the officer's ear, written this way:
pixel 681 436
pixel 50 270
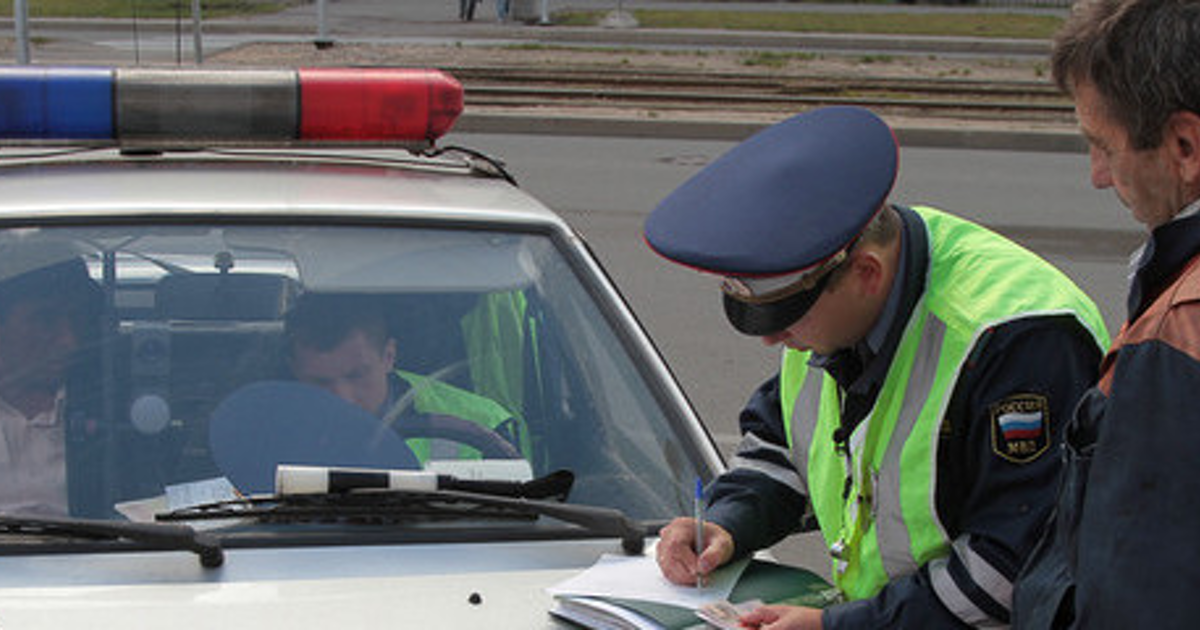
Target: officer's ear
pixel 868 268
pixel 1183 145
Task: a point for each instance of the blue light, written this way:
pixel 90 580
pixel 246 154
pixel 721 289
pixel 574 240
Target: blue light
pixel 59 103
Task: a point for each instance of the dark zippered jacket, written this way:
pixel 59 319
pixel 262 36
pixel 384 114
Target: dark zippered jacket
pixel 1123 550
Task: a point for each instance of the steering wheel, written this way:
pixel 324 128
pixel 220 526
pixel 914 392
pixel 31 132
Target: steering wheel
pixel 491 445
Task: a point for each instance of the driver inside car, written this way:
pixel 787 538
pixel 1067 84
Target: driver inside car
pixel 341 344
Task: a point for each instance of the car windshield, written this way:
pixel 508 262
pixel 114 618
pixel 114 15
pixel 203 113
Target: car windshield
pixel 151 368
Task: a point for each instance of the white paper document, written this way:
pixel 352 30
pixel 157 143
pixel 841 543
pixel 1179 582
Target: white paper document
pixel 184 495
pixel 639 578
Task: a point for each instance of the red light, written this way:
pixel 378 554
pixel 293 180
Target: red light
pixel 361 104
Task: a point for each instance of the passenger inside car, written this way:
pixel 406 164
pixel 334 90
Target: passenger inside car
pixel 46 302
pixel 342 344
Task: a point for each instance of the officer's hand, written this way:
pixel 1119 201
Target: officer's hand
pixel 677 550
pixel 782 618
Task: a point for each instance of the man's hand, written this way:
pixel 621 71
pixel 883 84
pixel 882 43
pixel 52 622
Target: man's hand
pixel 677 550
pixel 783 618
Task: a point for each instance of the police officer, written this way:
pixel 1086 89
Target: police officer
pixel 928 364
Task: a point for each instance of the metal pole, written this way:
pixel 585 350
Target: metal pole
pixel 178 33
pixel 197 35
pixel 323 40
pixel 137 41
pixel 21 25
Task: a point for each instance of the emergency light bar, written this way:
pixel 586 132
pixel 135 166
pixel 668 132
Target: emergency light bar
pixel 227 107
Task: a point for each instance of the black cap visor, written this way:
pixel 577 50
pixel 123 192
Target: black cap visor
pixel 767 318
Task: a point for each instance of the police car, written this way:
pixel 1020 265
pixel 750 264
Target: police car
pixel 179 447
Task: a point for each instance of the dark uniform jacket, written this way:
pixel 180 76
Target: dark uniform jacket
pixel 994 506
pixel 1124 548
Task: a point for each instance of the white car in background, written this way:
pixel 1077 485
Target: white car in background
pixel 205 488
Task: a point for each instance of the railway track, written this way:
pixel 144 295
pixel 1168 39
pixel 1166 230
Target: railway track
pixel 694 90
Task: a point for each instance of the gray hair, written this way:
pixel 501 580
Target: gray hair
pixel 1140 55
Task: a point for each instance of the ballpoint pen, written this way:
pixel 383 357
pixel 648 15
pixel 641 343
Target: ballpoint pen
pixel 698 513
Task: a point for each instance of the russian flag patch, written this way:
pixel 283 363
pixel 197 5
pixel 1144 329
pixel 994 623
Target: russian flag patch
pixel 1021 427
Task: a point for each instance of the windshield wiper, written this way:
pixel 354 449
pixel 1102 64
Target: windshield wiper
pixel 155 535
pixel 399 506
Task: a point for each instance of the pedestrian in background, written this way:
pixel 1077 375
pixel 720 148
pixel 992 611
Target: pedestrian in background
pixel 466 9
pixel 1124 548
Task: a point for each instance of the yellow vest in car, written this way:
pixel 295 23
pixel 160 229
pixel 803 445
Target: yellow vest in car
pixel 887 526
pixel 431 396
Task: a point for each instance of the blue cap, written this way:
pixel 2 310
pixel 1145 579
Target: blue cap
pixel 779 210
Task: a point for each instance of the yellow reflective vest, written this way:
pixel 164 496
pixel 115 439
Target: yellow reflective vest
pixel 887 526
pixel 431 396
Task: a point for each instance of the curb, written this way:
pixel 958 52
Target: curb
pixel 911 136
pixel 793 41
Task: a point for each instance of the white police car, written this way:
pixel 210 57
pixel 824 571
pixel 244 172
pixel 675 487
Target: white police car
pixel 183 445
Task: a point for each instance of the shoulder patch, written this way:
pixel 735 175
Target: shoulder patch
pixel 1021 427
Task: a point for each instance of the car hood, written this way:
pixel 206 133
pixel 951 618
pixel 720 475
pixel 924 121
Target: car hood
pixel 483 600
pixel 499 585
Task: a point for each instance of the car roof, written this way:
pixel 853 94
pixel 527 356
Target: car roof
pixel 345 184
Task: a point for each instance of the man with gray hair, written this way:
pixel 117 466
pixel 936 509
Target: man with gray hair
pixel 1122 549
